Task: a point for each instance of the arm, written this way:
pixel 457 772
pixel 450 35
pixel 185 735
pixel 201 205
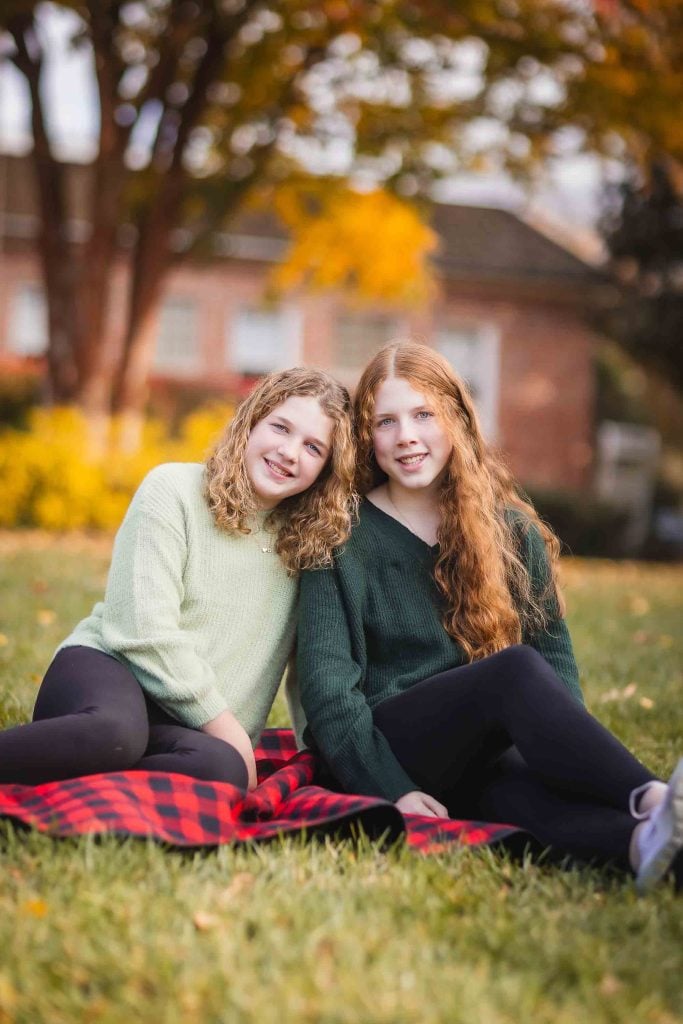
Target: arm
pixel 226 727
pixel 141 615
pixel 339 718
pixel 554 642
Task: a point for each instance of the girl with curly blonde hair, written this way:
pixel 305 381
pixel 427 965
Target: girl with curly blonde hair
pixel 435 666
pixel 177 668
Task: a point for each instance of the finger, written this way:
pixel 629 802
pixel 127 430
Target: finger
pixel 428 807
pixel 439 810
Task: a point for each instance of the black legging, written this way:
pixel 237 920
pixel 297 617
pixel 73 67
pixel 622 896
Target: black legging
pixel 568 780
pixel 91 716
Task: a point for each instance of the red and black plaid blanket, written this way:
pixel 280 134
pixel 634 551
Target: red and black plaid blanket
pixel 185 812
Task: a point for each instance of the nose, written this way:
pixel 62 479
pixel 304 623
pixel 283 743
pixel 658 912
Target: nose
pixel 287 449
pixel 406 433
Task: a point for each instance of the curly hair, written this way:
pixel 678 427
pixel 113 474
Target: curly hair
pixel 489 599
pixel 310 525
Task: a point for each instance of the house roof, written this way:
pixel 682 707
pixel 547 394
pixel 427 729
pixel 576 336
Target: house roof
pixel 477 242
pixel 484 241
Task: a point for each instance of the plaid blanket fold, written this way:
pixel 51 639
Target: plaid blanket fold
pixel 186 812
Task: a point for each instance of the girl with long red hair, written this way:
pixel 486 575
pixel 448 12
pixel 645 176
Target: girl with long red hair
pixel 435 666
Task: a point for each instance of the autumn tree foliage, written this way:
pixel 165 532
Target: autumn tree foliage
pixel 206 105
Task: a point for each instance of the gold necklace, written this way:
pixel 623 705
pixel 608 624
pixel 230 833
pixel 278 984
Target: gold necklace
pixel 402 517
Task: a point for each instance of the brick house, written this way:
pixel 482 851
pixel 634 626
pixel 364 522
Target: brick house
pixel 511 315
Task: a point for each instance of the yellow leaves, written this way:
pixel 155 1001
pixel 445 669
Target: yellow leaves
pixel 371 244
pixel 50 477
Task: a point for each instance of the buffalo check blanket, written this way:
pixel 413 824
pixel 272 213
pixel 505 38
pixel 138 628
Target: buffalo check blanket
pixel 185 812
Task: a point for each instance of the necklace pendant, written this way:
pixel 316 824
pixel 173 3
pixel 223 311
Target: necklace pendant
pixel 267 551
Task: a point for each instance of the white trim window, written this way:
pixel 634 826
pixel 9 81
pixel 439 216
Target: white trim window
pixel 261 339
pixel 177 345
pixel 473 350
pixel 358 336
pixel 27 335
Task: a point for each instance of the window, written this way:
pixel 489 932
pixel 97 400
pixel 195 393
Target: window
pixel 177 338
pixel 28 321
pixel 473 352
pixel 260 339
pixel 358 336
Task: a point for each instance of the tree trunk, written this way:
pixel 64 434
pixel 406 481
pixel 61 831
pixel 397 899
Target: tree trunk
pixel 56 252
pixel 151 261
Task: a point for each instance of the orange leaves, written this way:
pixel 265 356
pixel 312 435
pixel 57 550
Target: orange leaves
pixel 371 244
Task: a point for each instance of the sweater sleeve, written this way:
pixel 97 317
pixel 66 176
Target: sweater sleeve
pixel 340 722
pixel 144 594
pixel 554 641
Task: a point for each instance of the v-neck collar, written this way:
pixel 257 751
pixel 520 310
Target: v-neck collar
pixel 401 533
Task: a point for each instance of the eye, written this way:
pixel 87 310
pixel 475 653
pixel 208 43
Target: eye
pixel 313 448
pixel 424 414
pixel 279 426
pixel 383 423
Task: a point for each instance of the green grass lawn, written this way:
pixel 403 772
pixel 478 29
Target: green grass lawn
pixel 111 930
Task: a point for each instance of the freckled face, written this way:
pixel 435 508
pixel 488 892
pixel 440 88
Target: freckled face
pixel 411 445
pixel 288 449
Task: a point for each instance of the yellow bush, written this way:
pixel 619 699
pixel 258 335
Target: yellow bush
pixel 49 479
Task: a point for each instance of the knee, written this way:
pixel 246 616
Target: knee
pixel 522 666
pixel 118 744
pixel 218 761
pixel 522 657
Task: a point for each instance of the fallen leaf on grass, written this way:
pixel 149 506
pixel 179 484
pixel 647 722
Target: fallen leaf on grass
pixel 46 616
pixel 4 640
pixel 241 883
pixel 616 694
pixel 647 703
pixel 609 985
pixel 204 922
pixel 35 907
pixel 638 605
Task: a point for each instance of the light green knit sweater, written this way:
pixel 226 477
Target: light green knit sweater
pixel 205 619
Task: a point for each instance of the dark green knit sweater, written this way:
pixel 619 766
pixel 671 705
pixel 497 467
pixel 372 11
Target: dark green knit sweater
pixel 370 627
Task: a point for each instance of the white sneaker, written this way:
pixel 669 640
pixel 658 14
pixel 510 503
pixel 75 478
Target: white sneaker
pixel 661 839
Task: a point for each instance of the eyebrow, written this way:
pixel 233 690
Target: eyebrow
pixel 417 408
pixel 288 423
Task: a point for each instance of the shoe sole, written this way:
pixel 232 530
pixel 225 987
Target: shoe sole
pixel 655 870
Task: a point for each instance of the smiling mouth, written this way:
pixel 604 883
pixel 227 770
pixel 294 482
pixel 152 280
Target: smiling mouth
pixel 412 460
pixel 277 469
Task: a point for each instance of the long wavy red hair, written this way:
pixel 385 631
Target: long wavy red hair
pixel 489 598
